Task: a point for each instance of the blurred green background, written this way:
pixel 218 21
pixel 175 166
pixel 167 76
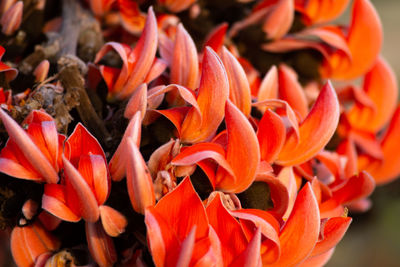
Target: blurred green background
pixel 374 237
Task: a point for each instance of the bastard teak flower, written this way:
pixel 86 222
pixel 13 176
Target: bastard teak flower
pixel 190 133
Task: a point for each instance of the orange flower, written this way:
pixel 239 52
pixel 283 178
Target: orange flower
pixel 231 153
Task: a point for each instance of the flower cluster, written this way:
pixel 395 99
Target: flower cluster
pixel 224 151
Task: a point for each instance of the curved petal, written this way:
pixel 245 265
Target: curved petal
pixel 117 162
pixel 291 91
pixel 364 40
pixel 228 229
pixel 315 131
pixel 174 208
pixel 143 56
pixel 388 169
pixel 54 201
pixel 29 149
pixel 269 86
pixel 295 245
pixel 82 142
pixel 279 19
pixel 137 102
pixel 29 242
pixel 114 223
pixel 94 170
pixel 215 39
pixel 239 88
pixel 138 179
pixel 251 255
pixel 88 206
pixel 380 85
pixel 212 95
pixel 100 245
pixel 357 187
pixel 198 152
pixel 185 64
pixel 333 231
pixel 271 135
pixel 242 150
pixel 132 19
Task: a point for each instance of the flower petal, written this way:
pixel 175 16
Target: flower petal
pixel 333 231
pixel 113 222
pixel 174 207
pixel 100 245
pixel 228 229
pixel 29 149
pixel 212 95
pixel 144 54
pixel 380 85
pixel 295 245
pixel 238 152
pixel 117 163
pixel 138 179
pixel 185 64
pixel 364 40
pixel 239 88
pixel 88 206
pixel 271 135
pixel 315 131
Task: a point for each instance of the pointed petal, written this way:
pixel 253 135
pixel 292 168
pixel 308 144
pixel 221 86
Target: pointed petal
pixel 137 102
pixel 117 162
pixel 29 209
pixel 185 64
pixel 144 54
pixel 269 86
pixel 114 78
pixel 94 170
pixel 364 40
pixel 82 142
pixel 315 131
pixel 132 19
pixel 54 201
pixel 389 168
pixel 29 149
pixel 333 231
pixel 357 187
pixel 239 88
pixel 88 206
pixel 174 207
pixel 196 153
pixel 228 229
pixel 271 135
pixel 380 85
pixel 291 91
pixel 269 227
pixel 296 246
pixel 279 20
pixel 41 71
pixel 238 152
pixel 158 67
pixel 100 245
pixel 321 11
pixel 12 18
pixel 251 255
pixel 215 39
pixel 160 237
pixel 212 95
pixel 138 179
pixel 186 251
pixel 114 223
